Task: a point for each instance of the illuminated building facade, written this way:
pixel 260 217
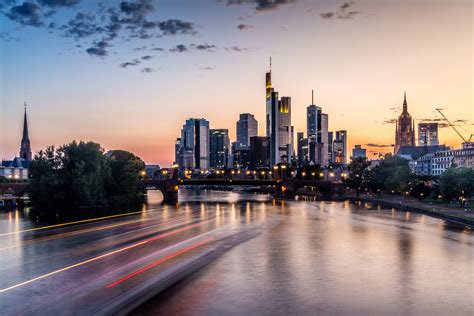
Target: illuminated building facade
pixel 317 124
pixel 195 144
pixel 219 148
pixel 278 123
pixel 340 147
pixel 428 134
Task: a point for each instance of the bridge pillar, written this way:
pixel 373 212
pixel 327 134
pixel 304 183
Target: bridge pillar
pixel 284 190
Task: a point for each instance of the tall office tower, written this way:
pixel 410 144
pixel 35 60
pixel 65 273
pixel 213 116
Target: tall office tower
pixel 195 138
pixel 405 128
pixel 219 148
pixel 278 123
pixel 317 129
pixel 259 148
pixel 340 147
pixel 25 146
pixel 247 126
pixel 428 134
pixel 330 150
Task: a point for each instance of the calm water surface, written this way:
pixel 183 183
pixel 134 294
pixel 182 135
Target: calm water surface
pixel 328 258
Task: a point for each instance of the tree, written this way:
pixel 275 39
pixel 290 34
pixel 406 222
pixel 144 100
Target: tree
pixel 79 175
pixel 392 174
pixel 457 183
pixel 357 173
pixel 122 185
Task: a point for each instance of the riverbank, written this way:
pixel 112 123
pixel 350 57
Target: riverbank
pixel 454 216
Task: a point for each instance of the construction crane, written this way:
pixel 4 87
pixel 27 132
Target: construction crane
pixel 451 124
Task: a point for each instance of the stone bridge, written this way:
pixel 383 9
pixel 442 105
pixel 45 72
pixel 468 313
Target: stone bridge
pixel 284 187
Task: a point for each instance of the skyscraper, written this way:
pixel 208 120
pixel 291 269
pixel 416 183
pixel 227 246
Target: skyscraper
pixel 405 128
pixel 25 146
pixel 259 147
pixel 247 126
pixel 428 134
pixel 317 128
pixel 278 123
pixel 195 139
pixel 219 153
pixel 340 147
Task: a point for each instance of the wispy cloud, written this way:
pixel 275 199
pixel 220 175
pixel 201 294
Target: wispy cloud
pixel 244 26
pixel 181 48
pixel 147 70
pixel 379 145
pixel 343 12
pixel 261 5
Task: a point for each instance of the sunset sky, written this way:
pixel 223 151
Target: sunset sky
pixel 127 75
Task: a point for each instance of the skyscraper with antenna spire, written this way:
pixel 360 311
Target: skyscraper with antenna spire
pixel 278 123
pixel 317 133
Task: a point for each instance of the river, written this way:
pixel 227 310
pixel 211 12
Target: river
pixel 328 258
pixel 248 253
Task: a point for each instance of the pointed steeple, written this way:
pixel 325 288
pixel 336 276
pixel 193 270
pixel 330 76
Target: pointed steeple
pixel 25 147
pixel 405 105
pixel 25 127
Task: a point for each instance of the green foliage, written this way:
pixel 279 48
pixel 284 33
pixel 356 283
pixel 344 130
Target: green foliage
pixel 357 173
pixel 457 184
pixel 392 174
pixel 79 175
pixel 124 170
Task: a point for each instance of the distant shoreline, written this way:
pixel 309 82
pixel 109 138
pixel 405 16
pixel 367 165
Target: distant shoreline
pixel 415 209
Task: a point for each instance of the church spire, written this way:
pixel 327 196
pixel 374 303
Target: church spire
pixel 405 105
pixel 25 147
pixel 25 127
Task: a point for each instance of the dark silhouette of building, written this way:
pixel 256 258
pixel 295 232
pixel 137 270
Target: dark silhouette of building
pixel 259 148
pixel 405 128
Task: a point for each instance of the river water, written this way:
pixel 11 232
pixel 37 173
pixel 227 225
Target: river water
pixel 327 258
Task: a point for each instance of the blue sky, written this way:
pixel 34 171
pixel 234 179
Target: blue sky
pixel 358 63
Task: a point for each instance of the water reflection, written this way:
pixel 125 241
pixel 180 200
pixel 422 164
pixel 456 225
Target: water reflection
pixel 330 258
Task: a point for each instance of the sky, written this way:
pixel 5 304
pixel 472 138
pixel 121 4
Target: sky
pixel 127 74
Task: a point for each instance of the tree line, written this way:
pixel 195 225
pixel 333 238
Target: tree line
pixel 80 175
pixel 393 175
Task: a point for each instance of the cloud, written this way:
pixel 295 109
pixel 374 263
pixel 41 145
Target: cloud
pixel 98 49
pixel 59 3
pixel 244 26
pixel 159 49
pixel 28 13
pixel 147 70
pixel 175 26
pixel 179 49
pixel 7 37
pixel 82 25
pixel 342 13
pixel 378 145
pixel 147 57
pixel 209 68
pixel 390 121
pixel 236 48
pixel 130 63
pixel 205 47
pixel 261 5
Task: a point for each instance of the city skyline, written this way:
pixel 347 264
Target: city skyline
pixel 117 100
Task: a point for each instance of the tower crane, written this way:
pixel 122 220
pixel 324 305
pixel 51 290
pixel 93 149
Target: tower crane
pixel 455 129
